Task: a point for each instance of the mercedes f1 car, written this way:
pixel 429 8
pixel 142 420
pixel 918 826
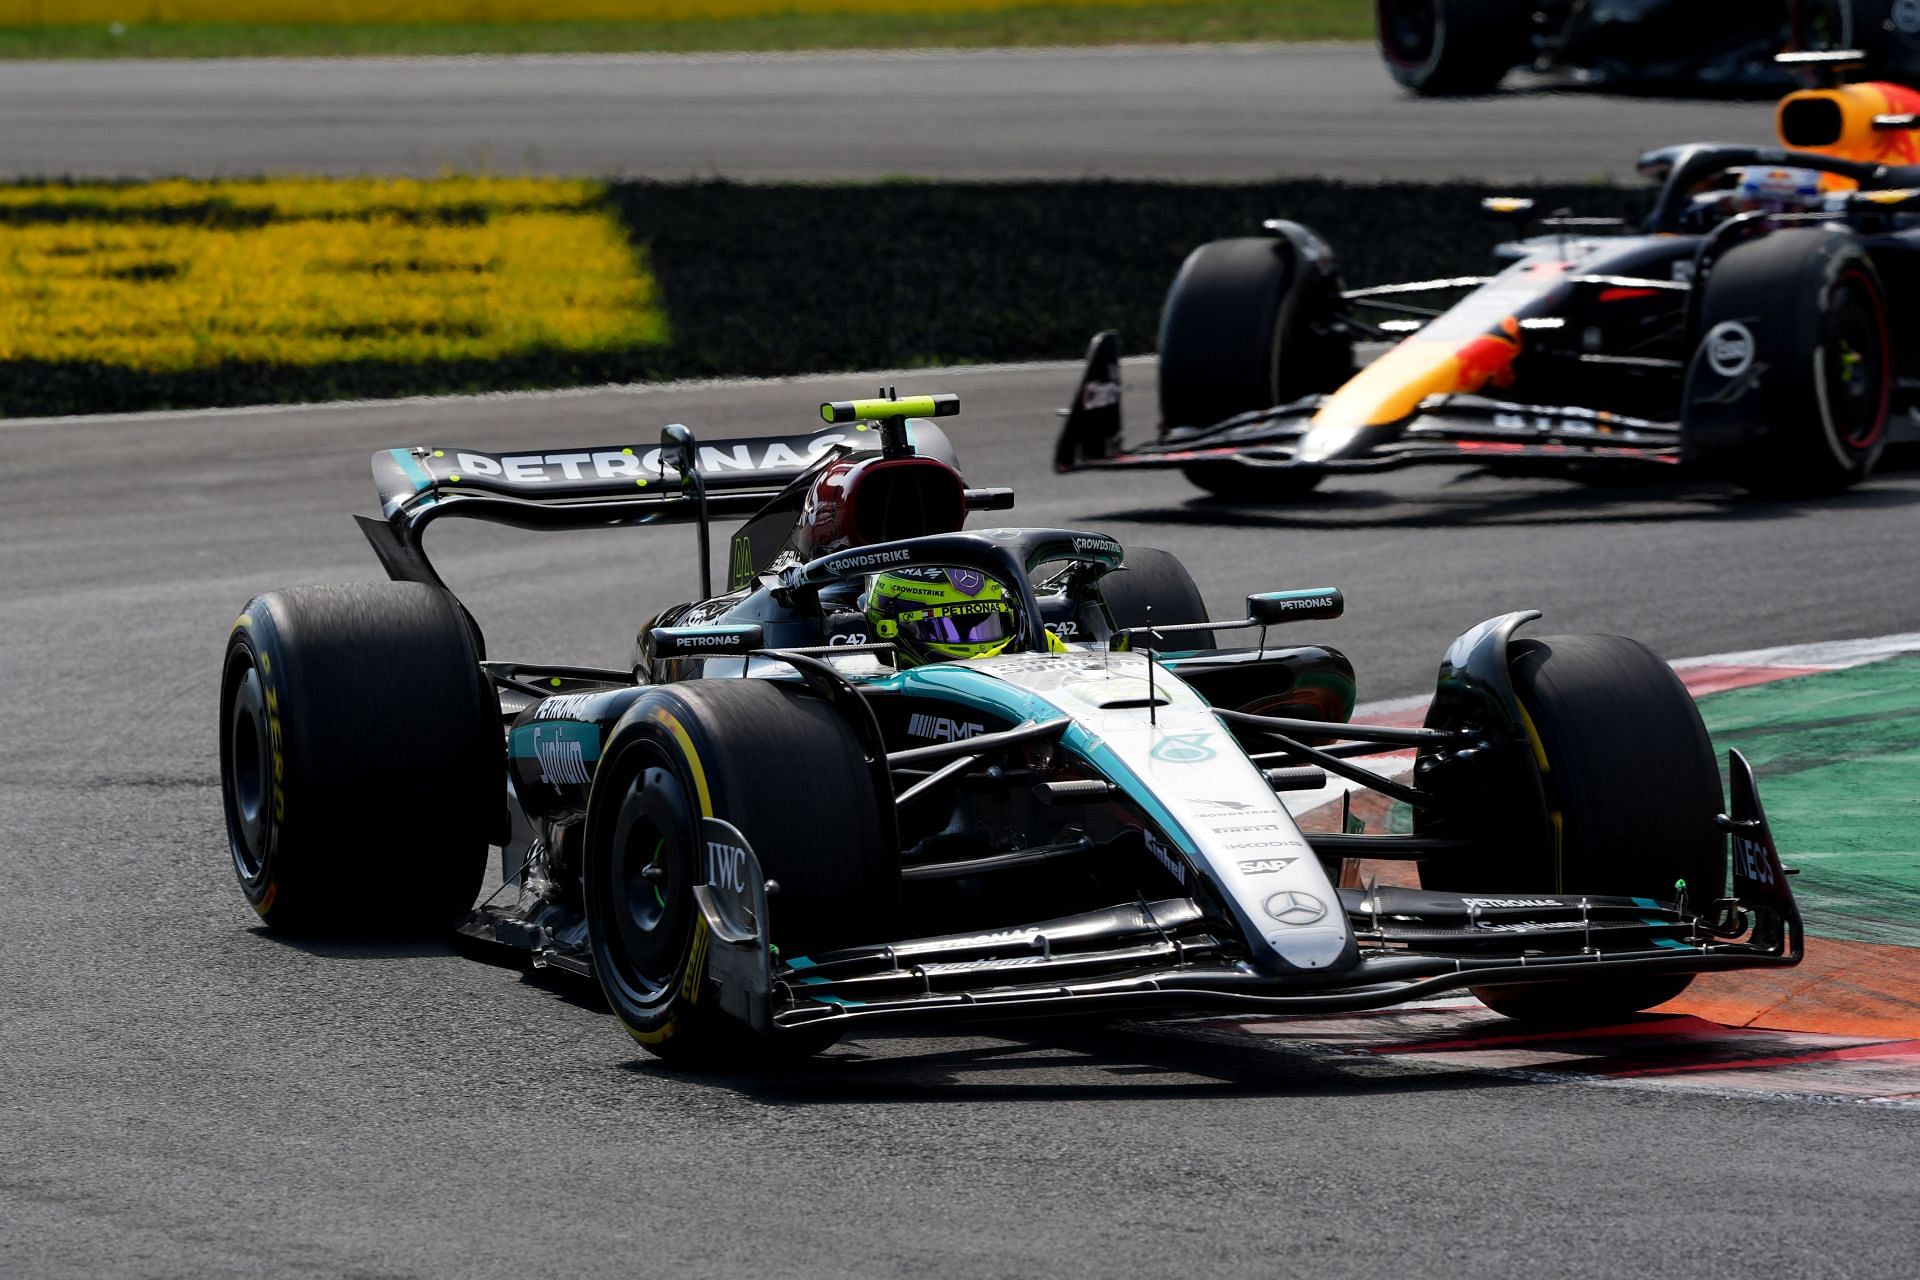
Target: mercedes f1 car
pixel 899 772
pixel 1760 323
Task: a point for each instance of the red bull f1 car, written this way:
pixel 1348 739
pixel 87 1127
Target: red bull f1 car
pixel 1760 323
pixel 900 772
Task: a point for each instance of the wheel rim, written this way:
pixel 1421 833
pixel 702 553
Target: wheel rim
pixel 1408 31
pixel 247 776
pixel 1853 364
pixel 645 888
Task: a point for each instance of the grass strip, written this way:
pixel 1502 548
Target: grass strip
pixel 1205 21
pixel 1836 755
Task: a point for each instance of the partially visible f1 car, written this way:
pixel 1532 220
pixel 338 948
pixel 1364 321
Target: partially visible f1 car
pixel 1885 32
pixel 1440 47
pixel 1761 323
pixel 1468 46
pixel 775 825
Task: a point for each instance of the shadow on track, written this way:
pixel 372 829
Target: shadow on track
pixel 1677 92
pixel 1130 1061
pixel 371 945
pixel 1583 505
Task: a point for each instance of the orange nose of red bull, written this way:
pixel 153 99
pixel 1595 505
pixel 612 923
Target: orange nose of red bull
pixel 1391 388
pixel 1489 359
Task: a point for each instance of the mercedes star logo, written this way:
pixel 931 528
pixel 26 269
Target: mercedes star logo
pixel 1290 907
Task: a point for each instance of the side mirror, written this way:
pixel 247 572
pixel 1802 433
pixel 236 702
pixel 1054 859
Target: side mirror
pixel 1315 604
pixel 677 449
pixel 1507 209
pixel 724 641
pixel 1896 200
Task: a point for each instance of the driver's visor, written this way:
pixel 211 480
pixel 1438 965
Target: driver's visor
pixel 975 622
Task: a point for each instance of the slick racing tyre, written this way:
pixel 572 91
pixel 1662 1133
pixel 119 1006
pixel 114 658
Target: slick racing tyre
pixel 788 773
pixel 1248 325
pixel 1453 47
pixel 362 771
pixel 1156 578
pixel 1806 310
pixel 1632 788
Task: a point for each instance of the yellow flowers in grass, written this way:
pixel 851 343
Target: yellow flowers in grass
pixel 82 12
pixel 173 276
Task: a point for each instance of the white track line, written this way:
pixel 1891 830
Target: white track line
pixel 247 411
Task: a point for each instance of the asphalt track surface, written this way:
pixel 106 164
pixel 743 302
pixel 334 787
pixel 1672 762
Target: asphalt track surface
pixel 1191 114
pixel 186 1094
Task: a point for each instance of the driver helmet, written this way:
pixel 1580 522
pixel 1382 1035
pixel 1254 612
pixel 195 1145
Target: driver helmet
pixel 941 615
pixel 1775 189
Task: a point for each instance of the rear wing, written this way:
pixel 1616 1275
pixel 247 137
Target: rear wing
pixel 679 481
pixel 410 478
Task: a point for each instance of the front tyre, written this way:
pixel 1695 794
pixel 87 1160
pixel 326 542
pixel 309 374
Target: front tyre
pixel 784 769
pixel 1440 48
pixel 1248 324
pixel 361 767
pixel 1632 787
pixel 1251 482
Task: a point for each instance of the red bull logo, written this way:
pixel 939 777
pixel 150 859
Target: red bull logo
pixel 1391 388
pixel 1489 359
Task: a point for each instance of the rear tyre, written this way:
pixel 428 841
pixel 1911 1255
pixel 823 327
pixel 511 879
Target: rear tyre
pixel 735 749
pixel 1453 47
pixel 1632 785
pixel 361 766
pixel 1156 578
pixel 1811 307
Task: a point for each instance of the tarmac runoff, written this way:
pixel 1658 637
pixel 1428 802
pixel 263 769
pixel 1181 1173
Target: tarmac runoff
pixel 1833 733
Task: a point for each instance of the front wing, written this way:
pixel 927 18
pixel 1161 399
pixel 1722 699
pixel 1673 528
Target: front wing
pixel 1461 429
pixel 1173 955
pixel 1445 429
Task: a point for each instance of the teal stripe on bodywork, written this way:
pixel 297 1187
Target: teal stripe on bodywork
pixel 421 477
pixel 996 697
pixel 1671 944
pixel 522 743
pixel 1116 771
